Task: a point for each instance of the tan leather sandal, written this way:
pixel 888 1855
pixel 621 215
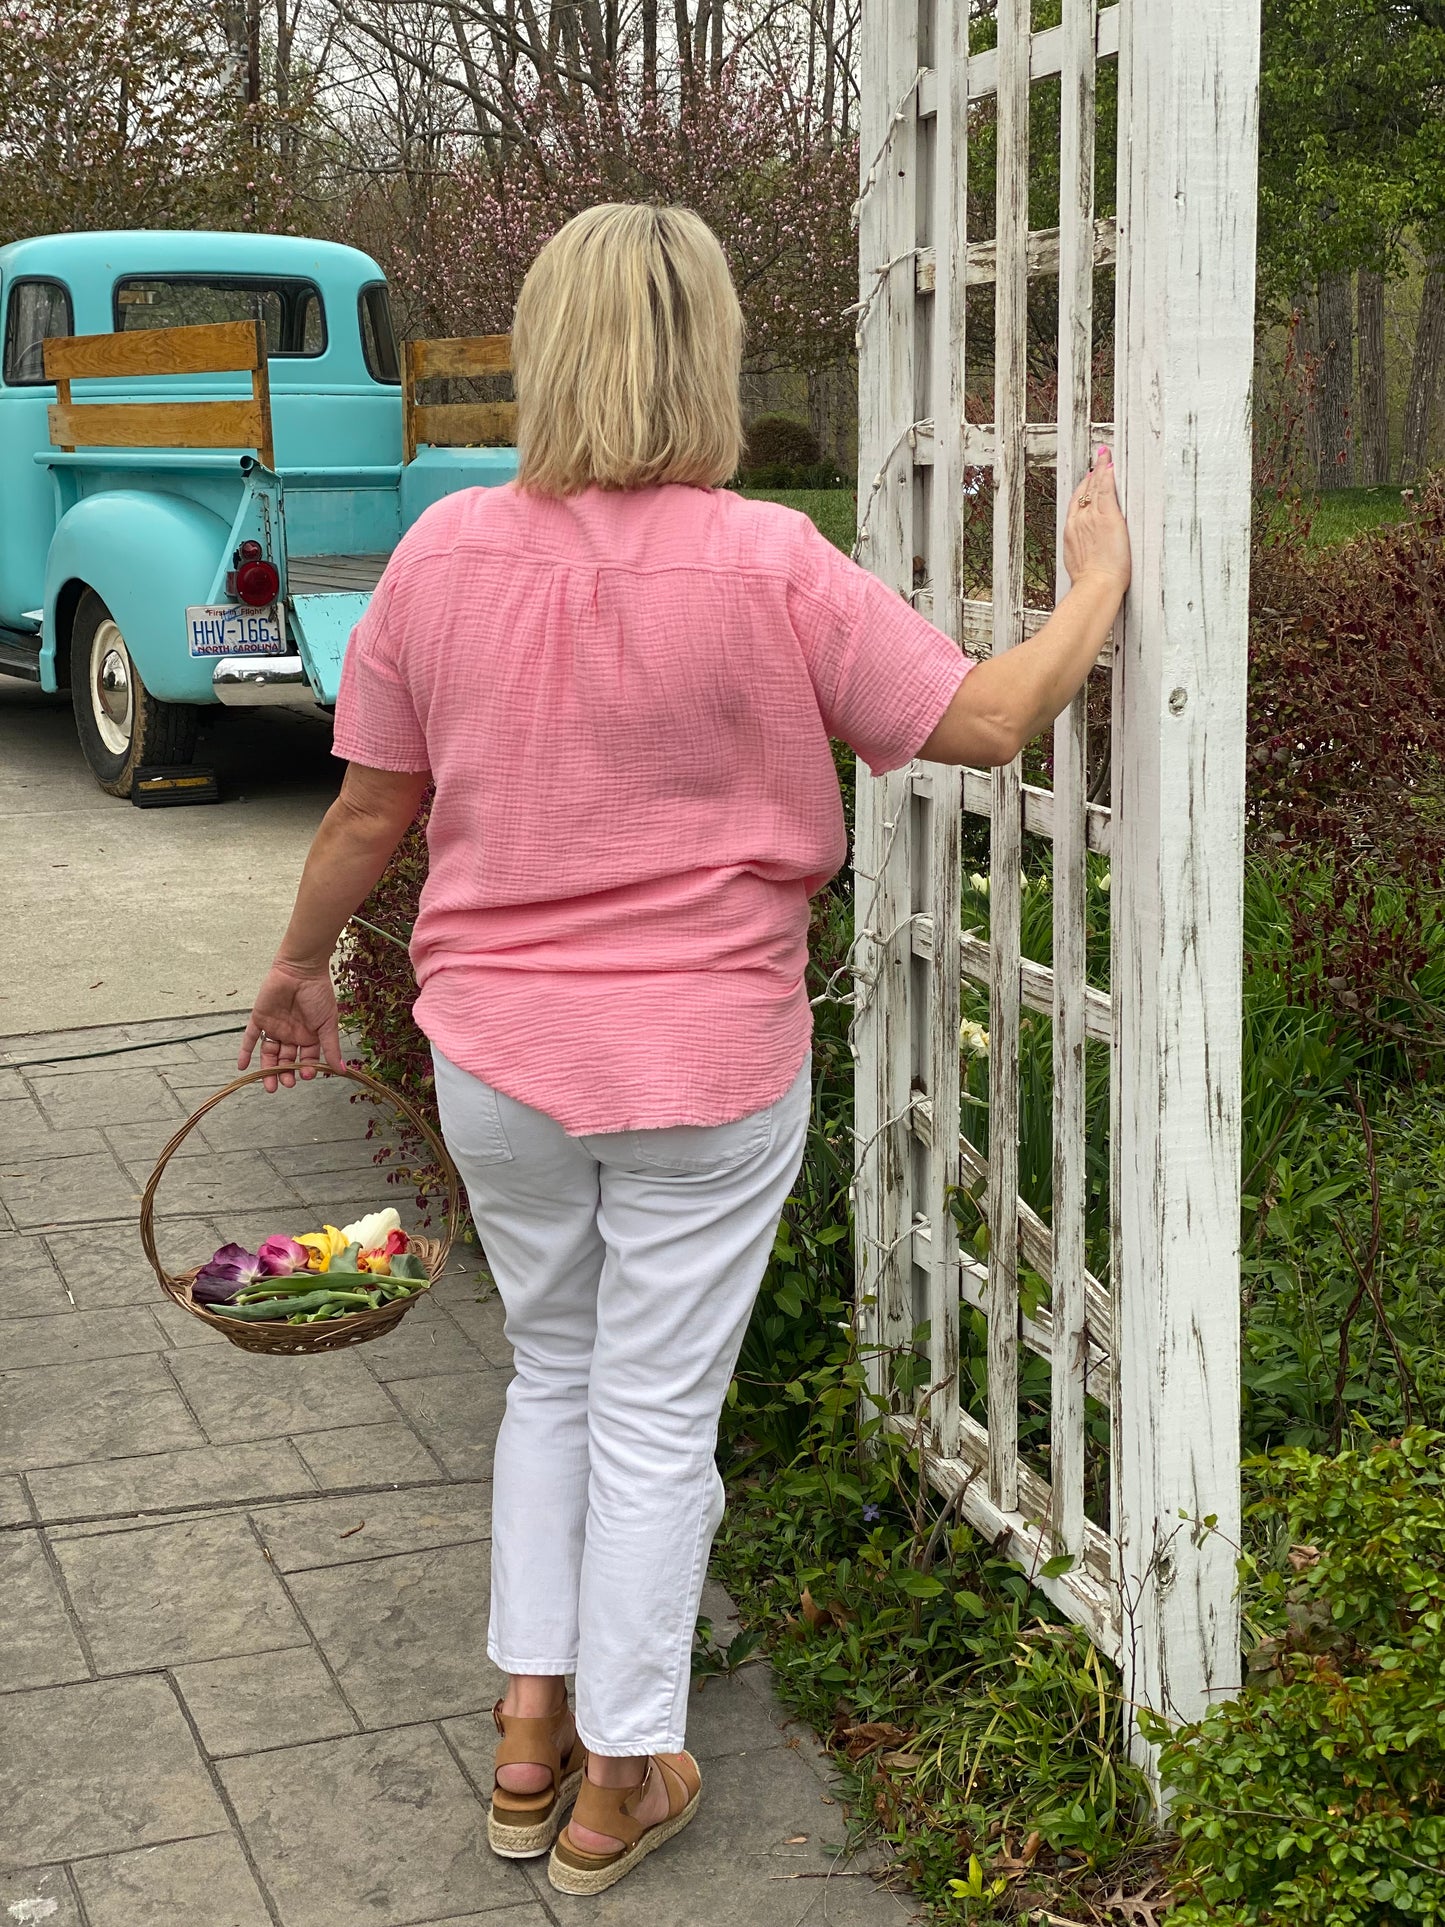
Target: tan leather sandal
pixel 609 1810
pixel 521 1826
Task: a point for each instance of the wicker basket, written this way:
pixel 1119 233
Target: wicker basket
pixel 330 1334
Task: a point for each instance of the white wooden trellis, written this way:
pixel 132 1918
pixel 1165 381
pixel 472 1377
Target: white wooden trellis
pixel 1153 1585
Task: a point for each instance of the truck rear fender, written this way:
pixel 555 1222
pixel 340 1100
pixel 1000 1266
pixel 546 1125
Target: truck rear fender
pixel 147 556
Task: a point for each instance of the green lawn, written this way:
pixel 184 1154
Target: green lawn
pixel 1336 516
pixel 1341 513
pixel 830 509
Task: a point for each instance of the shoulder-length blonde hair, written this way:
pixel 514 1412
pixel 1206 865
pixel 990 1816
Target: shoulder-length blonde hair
pixel 626 354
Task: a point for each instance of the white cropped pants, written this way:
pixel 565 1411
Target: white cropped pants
pixel 628 1264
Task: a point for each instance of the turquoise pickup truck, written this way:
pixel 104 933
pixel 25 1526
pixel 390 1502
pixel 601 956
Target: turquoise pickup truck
pixel 209 446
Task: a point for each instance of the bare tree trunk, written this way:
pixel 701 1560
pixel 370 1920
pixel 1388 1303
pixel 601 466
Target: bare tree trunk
pixel 1336 381
pixel 649 51
pixel 1374 416
pixel 683 27
pixel 1308 346
pixel 1425 372
pixel 253 56
pixel 830 63
pixel 715 61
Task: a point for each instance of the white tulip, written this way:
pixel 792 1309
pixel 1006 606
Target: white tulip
pixel 373 1229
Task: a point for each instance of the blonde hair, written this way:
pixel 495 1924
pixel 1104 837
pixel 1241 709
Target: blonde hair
pixel 626 353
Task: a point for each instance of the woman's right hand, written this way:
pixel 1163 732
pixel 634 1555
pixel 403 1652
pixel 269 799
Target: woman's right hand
pixel 1096 540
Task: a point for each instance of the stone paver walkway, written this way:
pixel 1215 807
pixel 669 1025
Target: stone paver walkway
pixel 243 1677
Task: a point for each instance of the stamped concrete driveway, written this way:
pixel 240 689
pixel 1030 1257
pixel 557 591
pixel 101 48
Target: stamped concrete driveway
pixel 116 914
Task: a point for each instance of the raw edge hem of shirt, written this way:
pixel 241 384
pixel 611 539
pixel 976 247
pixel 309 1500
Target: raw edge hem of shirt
pixel 615 1130
pixel 888 768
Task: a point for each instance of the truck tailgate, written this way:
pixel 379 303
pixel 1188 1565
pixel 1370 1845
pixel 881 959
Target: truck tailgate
pixel 327 595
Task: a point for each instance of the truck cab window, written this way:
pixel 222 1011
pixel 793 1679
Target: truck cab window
pixel 378 336
pixel 290 311
pixel 37 311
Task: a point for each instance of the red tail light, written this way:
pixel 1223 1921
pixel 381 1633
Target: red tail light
pixel 253 580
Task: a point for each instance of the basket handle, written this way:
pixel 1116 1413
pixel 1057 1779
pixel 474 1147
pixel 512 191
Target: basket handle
pixel 368 1083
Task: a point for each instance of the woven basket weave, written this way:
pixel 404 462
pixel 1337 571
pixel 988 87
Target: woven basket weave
pixel 329 1334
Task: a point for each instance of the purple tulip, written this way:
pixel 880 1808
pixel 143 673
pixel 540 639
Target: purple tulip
pixel 234 1268
pixel 230 1271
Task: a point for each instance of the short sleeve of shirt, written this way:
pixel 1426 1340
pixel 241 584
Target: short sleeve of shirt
pixel 376 721
pixel 883 675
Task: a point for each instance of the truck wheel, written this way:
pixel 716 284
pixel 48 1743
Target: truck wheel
pixel 121 725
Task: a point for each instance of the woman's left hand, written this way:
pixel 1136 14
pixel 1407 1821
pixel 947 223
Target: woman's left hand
pixel 294 1019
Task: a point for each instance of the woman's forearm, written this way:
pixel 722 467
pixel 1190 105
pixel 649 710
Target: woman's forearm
pixel 348 855
pixel 1044 672
pixel 1006 700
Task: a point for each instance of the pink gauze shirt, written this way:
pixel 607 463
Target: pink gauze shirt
pixel 625 700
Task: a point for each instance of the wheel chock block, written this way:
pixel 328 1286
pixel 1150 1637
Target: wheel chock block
pixel 156 788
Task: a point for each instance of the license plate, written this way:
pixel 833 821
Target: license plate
pixel 225 630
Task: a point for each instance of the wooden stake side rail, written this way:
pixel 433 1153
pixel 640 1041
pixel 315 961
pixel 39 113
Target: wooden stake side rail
pixel 465 424
pixel 213 348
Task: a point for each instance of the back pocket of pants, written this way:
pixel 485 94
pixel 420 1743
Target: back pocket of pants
pixel 686 1150
pixel 471 1115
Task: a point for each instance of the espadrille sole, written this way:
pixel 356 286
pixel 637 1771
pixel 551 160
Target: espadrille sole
pixel 511 1842
pixel 568 1879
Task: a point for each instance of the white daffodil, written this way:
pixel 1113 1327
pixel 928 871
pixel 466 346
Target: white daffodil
pixel 978 882
pixel 370 1231
pixel 972 1039
pixel 1104 881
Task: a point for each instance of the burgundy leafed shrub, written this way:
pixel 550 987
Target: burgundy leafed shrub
pixel 1346 750
pixel 376 990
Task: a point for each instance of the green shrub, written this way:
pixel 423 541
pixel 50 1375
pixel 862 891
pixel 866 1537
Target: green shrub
pixel 780 441
pixel 960 1710
pixel 796 475
pixel 1318 1798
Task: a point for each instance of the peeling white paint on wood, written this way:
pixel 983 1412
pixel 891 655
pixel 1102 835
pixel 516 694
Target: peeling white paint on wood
pixel 883 846
pixel 1006 825
pixel 1161 1353
pixel 1188 90
pixel 1070 873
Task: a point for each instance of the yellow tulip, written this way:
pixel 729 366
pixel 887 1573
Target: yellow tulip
pixel 323 1246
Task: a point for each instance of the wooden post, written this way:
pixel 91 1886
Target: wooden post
pixel 408 401
pixel 945 782
pixel 1006 843
pixel 261 396
pixel 1070 874
pixel 883 836
pixel 1187 175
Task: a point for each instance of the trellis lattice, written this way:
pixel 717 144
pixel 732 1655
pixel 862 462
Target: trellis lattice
pixel 1155 1343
